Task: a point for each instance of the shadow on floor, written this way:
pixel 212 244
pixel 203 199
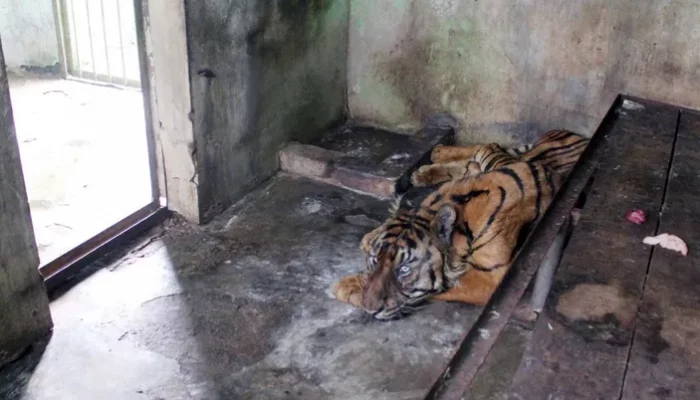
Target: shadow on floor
pixel 15 376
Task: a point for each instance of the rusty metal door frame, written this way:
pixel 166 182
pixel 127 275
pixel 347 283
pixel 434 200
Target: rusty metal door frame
pixel 59 270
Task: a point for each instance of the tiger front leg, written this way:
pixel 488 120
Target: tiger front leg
pixel 474 287
pixel 434 174
pixel 349 289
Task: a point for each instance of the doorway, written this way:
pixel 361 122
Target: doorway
pixel 80 121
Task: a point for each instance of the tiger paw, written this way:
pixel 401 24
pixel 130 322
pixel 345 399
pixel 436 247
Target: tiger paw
pixel 349 289
pixel 428 175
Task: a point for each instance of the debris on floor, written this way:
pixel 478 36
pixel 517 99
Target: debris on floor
pixel 525 315
pixel 636 217
pixel 671 242
pixel 632 105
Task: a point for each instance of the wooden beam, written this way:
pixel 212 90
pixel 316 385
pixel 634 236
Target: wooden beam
pixel 476 346
pixel 665 357
pixel 581 341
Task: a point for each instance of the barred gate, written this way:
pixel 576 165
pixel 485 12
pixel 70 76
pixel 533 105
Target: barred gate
pixel 99 41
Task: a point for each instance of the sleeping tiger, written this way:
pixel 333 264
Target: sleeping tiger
pixel 459 244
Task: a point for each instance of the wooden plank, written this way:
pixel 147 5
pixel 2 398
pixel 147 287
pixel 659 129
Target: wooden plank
pixel 665 357
pixel 475 347
pixel 581 341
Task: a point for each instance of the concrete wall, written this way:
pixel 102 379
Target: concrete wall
pixel 509 69
pixel 262 73
pixel 24 307
pixel 169 104
pixel 28 31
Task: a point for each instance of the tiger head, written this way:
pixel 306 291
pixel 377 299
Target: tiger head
pixel 405 262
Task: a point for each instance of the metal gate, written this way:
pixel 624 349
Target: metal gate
pixel 99 41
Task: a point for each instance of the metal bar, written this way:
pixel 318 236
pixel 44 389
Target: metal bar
pixel 104 39
pixel 545 273
pixel 100 80
pixel 61 37
pixel 64 267
pixel 75 35
pixel 92 49
pixel 121 41
pixel 146 88
pixel 459 373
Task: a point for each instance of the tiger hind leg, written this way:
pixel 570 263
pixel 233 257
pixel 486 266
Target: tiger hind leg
pixel 434 174
pixel 349 289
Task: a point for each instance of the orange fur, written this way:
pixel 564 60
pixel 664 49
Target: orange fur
pixel 349 289
pixel 474 287
pixel 484 213
pixel 439 173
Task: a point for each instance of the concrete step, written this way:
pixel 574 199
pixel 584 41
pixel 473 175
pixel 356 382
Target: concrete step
pixel 367 160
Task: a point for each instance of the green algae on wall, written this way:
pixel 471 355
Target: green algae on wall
pixel 511 69
pixel 427 57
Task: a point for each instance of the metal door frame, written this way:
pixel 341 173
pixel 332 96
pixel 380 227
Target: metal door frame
pixel 64 267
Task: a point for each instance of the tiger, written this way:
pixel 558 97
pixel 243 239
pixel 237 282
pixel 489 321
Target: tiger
pixel 456 162
pixel 459 243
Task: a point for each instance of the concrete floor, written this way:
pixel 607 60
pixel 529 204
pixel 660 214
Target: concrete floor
pixel 84 156
pixel 239 309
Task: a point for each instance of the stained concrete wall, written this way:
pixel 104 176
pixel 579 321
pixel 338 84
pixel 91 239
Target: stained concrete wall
pixel 28 31
pixel 509 69
pixel 167 91
pixel 24 307
pixel 262 73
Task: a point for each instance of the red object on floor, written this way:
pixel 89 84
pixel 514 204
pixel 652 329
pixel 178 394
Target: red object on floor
pixel 636 217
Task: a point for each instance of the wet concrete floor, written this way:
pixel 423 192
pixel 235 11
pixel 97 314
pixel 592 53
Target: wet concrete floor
pixel 239 309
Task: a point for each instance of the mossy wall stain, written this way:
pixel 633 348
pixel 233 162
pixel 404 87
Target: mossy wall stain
pixel 278 73
pixel 426 69
pixel 429 58
pixel 509 70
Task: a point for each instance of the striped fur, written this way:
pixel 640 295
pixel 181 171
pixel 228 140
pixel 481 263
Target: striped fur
pixel 459 244
pixel 556 149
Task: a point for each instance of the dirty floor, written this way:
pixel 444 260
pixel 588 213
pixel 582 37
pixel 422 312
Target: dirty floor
pixel 84 157
pixel 621 318
pixel 239 309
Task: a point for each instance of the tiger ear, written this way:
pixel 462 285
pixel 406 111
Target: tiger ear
pixel 444 223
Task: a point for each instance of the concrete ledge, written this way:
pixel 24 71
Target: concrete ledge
pixel 307 160
pixel 365 160
pixel 326 166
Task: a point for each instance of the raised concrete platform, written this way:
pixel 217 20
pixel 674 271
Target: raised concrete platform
pixel 367 160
